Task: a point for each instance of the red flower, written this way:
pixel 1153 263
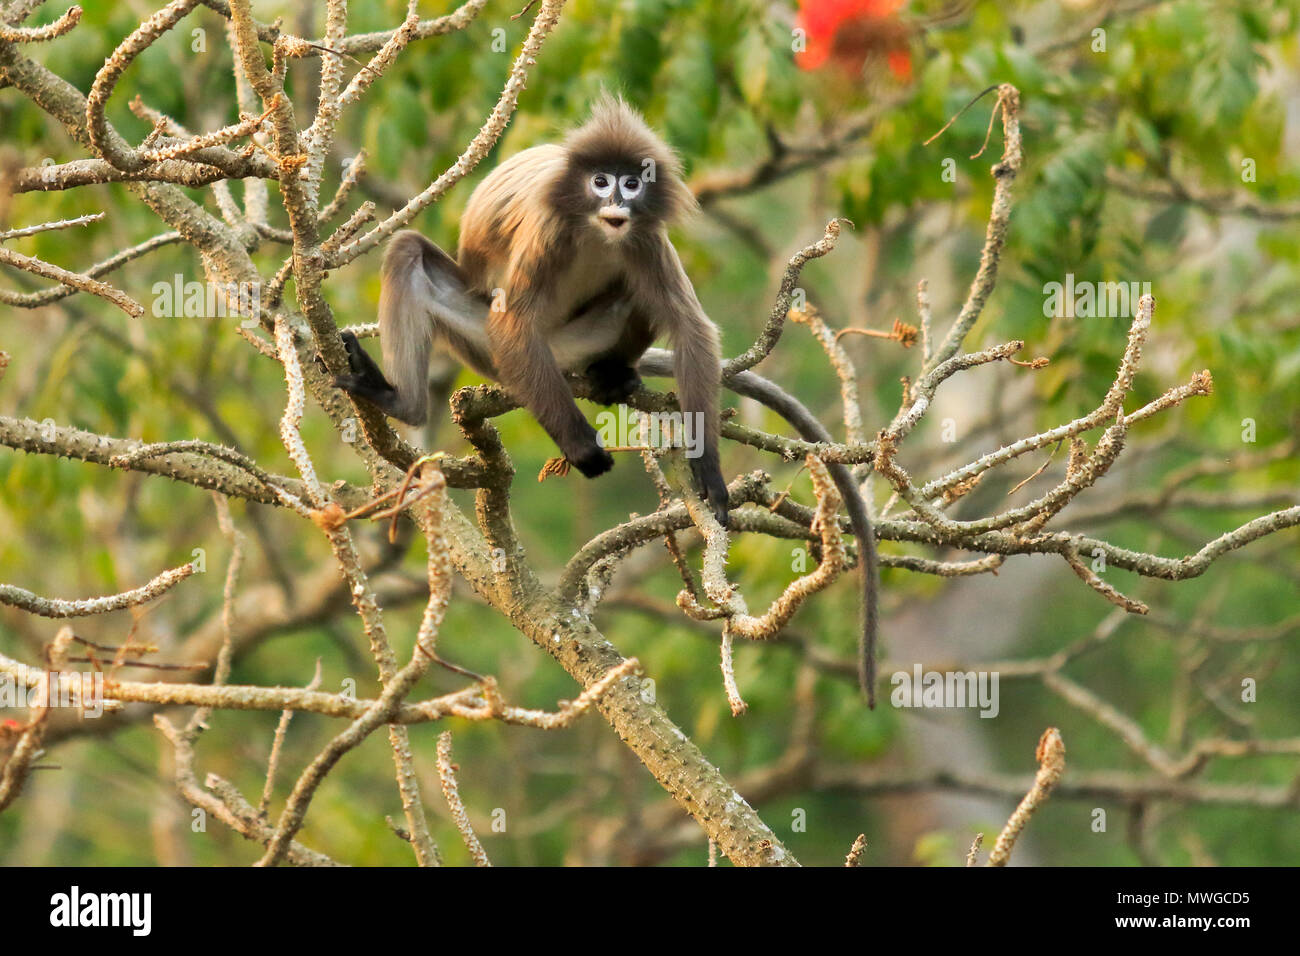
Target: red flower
pixel 850 32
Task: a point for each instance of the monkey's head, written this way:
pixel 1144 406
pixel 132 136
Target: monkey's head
pixel 620 178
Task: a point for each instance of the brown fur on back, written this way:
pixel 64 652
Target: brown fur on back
pixel 509 204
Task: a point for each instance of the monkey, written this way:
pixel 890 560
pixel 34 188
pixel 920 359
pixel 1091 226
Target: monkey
pixel 564 264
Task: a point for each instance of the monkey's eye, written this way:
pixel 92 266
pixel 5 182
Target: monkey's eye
pixel 602 185
pixel 630 186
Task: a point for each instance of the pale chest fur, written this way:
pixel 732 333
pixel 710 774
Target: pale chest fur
pixel 572 278
pixel 588 272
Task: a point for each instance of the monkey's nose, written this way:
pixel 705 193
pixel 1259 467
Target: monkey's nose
pixel 615 216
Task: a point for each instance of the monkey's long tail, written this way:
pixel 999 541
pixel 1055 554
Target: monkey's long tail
pixel 658 362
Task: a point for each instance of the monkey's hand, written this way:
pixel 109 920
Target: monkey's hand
pixel 712 487
pixel 587 455
pixel 612 380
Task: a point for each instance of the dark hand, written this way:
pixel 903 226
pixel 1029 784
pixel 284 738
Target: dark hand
pixel 351 346
pixel 712 487
pixel 587 456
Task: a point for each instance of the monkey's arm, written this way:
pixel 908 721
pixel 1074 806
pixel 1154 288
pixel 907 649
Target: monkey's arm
pixel 528 369
pixel 663 290
pixel 657 362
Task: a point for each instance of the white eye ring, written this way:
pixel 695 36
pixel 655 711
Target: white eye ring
pixel 602 184
pixel 629 186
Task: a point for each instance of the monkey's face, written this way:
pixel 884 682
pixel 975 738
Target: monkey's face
pixel 617 201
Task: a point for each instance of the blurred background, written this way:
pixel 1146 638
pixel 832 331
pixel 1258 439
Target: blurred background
pixel 1161 143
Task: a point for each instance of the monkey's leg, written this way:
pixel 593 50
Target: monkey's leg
pixel 423 299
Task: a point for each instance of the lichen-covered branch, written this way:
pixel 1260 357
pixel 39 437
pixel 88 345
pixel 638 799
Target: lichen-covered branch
pixel 58 607
pixel 1051 764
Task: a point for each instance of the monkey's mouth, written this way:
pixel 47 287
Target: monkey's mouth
pixel 614 221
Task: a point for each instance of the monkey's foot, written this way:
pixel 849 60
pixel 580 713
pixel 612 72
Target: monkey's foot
pixel 362 365
pixel 385 396
pixel 365 379
pixel 612 381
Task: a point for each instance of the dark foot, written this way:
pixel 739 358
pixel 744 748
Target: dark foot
pixel 365 379
pixel 612 381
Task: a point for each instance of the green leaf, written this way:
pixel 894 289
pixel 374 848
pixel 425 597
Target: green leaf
pixel 752 58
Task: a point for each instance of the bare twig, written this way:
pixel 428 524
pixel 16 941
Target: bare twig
pixel 58 607
pixel 856 851
pixel 65 23
pixel 450 790
pixel 74 280
pixel 1051 764
pixel 547 17
pixel 771 333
